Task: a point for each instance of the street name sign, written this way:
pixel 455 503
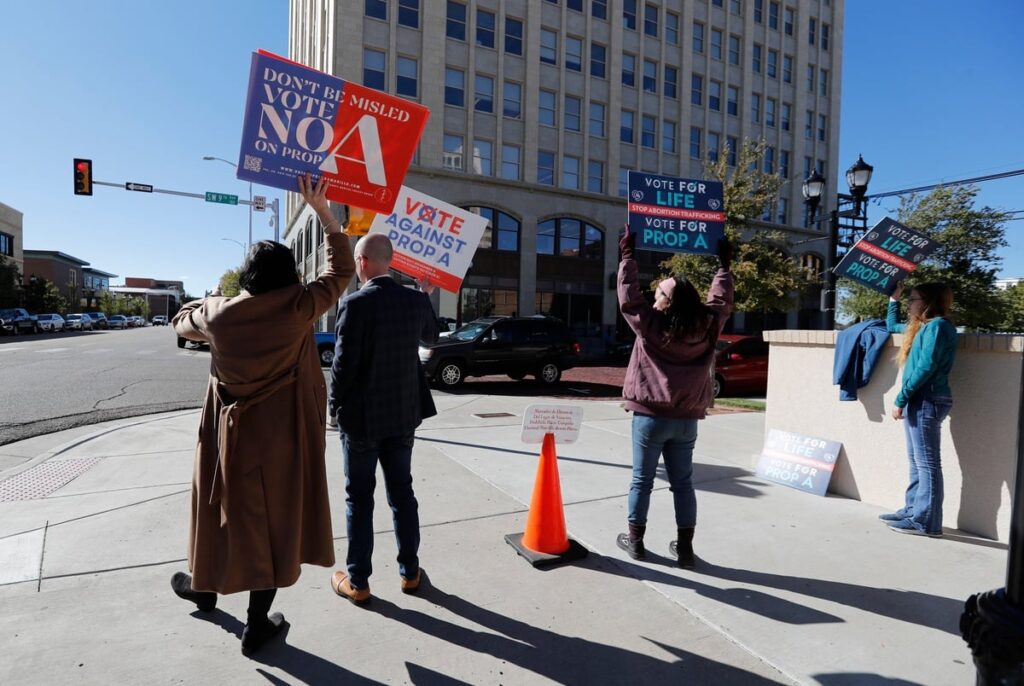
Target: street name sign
pixel 886 255
pixel 141 187
pixel 670 214
pixel 222 198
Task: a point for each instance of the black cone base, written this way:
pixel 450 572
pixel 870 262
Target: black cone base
pixel 574 552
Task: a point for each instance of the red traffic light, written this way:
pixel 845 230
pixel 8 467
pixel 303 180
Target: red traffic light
pixel 83 177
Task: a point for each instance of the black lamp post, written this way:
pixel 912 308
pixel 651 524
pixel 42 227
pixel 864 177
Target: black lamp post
pixel 849 215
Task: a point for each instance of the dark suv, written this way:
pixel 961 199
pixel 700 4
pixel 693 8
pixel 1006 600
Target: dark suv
pixel 541 346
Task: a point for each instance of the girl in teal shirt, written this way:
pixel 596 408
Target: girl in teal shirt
pixel 924 401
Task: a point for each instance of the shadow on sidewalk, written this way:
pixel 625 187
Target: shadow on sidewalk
pixel 297 663
pixel 563 659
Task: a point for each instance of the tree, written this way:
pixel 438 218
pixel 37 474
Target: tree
pixel 766 277
pixel 1013 309
pixel 41 296
pixel 229 283
pixel 967 259
pixel 10 283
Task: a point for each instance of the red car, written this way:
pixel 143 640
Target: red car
pixel 741 365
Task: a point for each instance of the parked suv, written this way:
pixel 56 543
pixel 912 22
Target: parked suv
pixel 99 320
pixel 50 322
pixel 542 346
pixel 159 320
pixel 741 365
pixel 17 320
pixel 78 322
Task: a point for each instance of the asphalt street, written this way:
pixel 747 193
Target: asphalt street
pixel 52 382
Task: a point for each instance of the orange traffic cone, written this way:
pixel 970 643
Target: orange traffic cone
pixel 545 541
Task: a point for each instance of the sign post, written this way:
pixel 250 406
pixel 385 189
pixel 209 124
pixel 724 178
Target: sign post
pixel 676 215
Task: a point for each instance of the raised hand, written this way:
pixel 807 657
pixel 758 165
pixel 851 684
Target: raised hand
pixel 627 244
pixel 725 253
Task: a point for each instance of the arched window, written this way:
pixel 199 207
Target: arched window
pixel 568 237
pixel 502 232
pixel 309 237
pixel 812 266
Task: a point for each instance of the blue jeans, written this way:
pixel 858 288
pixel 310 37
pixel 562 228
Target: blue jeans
pixel 673 438
pixel 361 457
pixel 922 424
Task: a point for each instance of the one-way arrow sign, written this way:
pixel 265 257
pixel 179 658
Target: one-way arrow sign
pixel 141 187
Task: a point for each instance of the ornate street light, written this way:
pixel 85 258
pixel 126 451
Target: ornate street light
pixel 858 177
pixel 814 186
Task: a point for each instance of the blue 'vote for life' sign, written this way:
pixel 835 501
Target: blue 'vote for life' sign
pixel 675 215
pixel 801 462
pixel 886 255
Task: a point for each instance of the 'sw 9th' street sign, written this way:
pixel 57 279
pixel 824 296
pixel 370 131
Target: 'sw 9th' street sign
pixel 222 198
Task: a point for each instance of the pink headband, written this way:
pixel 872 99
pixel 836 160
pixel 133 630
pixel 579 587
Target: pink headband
pixel 668 286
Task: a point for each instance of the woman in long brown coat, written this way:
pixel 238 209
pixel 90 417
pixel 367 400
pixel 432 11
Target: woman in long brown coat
pixel 260 505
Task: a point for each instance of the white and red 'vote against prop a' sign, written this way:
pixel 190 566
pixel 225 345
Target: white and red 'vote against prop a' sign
pixel 432 239
pixel 299 120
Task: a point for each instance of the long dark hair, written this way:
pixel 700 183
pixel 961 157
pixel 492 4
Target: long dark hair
pixel 687 315
pixel 268 266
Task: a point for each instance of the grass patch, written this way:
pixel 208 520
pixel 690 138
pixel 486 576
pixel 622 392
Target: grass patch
pixel 742 403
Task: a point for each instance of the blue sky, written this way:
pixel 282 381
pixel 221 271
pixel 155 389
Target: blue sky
pixel 930 93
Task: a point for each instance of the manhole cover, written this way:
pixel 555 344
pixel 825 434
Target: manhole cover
pixel 44 479
pixel 492 415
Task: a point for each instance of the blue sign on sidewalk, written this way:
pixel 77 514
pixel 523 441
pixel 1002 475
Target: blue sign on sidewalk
pixel 801 462
pixel 675 215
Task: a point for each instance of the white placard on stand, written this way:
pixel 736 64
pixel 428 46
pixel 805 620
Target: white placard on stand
pixel 561 420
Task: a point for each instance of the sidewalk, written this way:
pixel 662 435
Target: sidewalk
pixel 791 588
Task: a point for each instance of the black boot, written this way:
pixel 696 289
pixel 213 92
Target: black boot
pixel 682 548
pixel 633 542
pixel 259 628
pixel 181 584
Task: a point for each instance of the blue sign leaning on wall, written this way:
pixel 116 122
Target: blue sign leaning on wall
pixel 802 462
pixel 670 214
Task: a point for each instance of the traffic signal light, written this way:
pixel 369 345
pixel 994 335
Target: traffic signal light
pixel 83 177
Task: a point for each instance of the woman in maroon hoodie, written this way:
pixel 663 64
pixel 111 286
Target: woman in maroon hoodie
pixel 668 387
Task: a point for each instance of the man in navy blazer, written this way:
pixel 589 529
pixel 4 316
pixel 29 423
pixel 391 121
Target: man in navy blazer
pixel 380 395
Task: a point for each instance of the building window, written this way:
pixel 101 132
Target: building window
pixel 755 108
pixel 823 82
pixel 715 96
pixel 821 127
pixel 651 20
pixel 455 26
pixel 809 124
pixel 485 24
pixel 824 36
pixel 571 172
pixel 736 7
pixel 787 68
pixel 716 44
pixel 409 13
pixel 812 265
pixel 374 75
pixel 784 164
pixel 598 60
pixel 807 167
pixel 648 131
pixel 483 157
pixel 696 89
pixel 510 162
pixel 671 84
pixel 452 152
pixel 513 36
pixel 755 58
pixel 668 136
pixel 713 145
pixel 769 112
pixel 504 225
pixel 698 37
pixel 734 50
pixel 628 70
pixel 548 108
pixel 789 21
pixel 483 99
pixel 732 103
pixel 595 176
pixel 454 87
pixel 512 101
pixel 650 76
pixel 626 127
pixel 769 160
pixel 573 113
pixel 574 5
pixel 672 28
pixel 596 126
pixel 787 112
pixel 773 15
pixel 629 14
pixel 810 78
pixel 548 46
pixel 758 11
pixel 573 53
pixel 623 182
pixel 695 142
pixel 820 167
pixel 546 167
pixel 773 64
pixel 599 9
pixel 376 9
pixel 6 244
pixel 407 77
pixel 812 31
pixel 567 237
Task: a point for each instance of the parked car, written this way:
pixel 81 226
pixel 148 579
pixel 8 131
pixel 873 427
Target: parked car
pixel 50 322
pixel 78 322
pixel 139 320
pixel 541 346
pixel 741 365
pixel 99 320
pixel 118 321
pixel 325 347
pixel 17 320
pixel 159 320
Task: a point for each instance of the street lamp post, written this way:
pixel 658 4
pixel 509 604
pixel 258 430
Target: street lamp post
pixel 209 158
pixel 850 207
pixel 239 244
